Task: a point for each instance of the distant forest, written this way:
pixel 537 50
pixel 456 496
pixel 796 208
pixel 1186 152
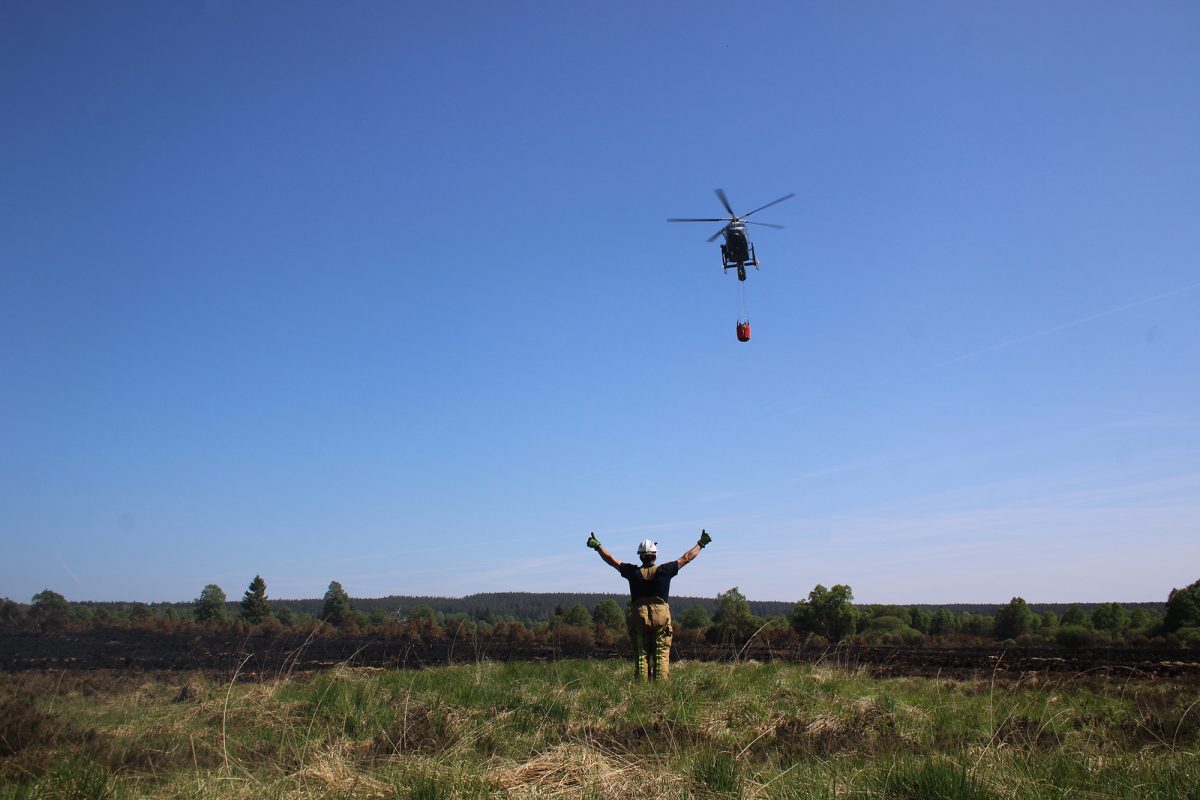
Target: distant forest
pixel 531 607
pixel 827 614
pixel 535 607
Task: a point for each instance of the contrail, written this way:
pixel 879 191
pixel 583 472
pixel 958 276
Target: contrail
pixel 69 571
pixel 1002 345
pixel 1062 327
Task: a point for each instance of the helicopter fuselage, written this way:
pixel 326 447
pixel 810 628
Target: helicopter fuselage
pixel 737 246
pixel 737 251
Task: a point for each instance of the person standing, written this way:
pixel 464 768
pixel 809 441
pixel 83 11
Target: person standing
pixel 649 610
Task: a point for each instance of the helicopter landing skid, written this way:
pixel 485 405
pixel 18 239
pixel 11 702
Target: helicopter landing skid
pixel 728 263
pixel 740 267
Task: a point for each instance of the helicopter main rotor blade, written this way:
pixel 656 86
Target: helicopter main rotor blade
pixel 674 219
pixel 764 224
pixel 773 202
pixel 715 235
pixel 725 202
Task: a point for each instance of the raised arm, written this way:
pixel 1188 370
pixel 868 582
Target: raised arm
pixel 594 543
pixel 696 548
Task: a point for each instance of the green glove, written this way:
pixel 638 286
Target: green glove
pixel 704 539
pixel 593 542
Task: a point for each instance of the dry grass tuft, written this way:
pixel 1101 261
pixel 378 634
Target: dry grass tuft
pixel 190 692
pixel 335 768
pixel 862 724
pixel 822 673
pixel 866 709
pixel 824 726
pixel 713 724
pixel 573 770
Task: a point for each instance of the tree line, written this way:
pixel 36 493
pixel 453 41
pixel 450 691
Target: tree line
pixel 826 616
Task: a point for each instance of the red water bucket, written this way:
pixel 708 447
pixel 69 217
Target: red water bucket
pixel 743 331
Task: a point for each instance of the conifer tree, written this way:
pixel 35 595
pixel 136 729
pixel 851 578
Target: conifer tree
pixel 337 610
pixel 255 607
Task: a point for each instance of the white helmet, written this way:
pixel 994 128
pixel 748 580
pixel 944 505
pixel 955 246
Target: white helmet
pixel 647 547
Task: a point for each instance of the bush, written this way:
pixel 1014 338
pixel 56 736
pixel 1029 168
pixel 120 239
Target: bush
pixel 575 639
pixel 774 636
pixel 687 637
pixel 695 616
pixel 890 630
pixel 1073 636
pixel 1189 636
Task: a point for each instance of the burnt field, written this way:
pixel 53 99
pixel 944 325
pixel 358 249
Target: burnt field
pixel 218 652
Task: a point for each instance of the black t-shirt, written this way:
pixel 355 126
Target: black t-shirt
pixel 658 586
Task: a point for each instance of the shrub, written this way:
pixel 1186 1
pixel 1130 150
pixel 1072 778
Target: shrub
pixel 695 616
pixel 890 630
pixel 780 637
pixel 575 639
pixel 1073 636
pixel 1189 636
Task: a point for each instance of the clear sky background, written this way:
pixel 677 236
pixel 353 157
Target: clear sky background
pixel 383 293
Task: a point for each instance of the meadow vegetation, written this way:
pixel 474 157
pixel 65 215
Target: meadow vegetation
pixel 585 729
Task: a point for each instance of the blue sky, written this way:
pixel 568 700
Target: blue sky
pixel 383 293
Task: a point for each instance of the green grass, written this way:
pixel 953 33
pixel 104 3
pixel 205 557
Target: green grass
pixel 585 729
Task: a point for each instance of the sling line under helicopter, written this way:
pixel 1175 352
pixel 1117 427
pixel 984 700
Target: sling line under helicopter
pixel 737 252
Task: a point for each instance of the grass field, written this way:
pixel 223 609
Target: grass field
pixel 584 729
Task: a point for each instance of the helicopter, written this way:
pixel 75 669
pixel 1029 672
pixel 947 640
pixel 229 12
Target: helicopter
pixel 737 251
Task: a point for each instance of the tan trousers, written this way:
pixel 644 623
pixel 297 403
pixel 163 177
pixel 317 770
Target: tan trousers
pixel 650 630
